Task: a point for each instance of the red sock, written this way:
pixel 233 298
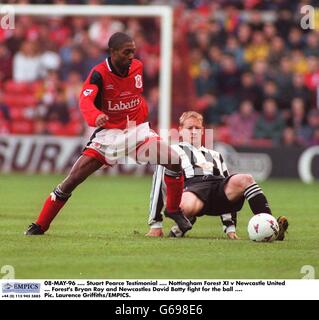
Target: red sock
pixel 50 209
pixel 175 186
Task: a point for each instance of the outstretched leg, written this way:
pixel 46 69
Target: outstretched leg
pixel 244 185
pixel 159 152
pixel 83 168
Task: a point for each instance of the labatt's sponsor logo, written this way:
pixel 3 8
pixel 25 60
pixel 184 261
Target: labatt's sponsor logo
pixel 123 105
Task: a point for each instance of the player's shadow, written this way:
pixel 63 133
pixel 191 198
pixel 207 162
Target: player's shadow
pixel 194 237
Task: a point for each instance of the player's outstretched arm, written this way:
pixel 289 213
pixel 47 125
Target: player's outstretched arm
pixel 229 221
pixel 92 89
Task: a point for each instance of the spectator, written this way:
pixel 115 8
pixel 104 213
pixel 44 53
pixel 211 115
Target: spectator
pixel 283 77
pixel 295 40
pixel 27 63
pixel 151 72
pixel 228 78
pixel 101 30
pixel 196 58
pixel 153 99
pixel 289 137
pixel 65 51
pixel 73 88
pixel 261 72
pixel 244 34
pixel 234 49
pixel 50 60
pixel 204 83
pixel 315 138
pixel 5 63
pixel 249 90
pixel 299 61
pixel 306 132
pixel 271 91
pixel 270 124
pixel 94 57
pixel 242 124
pixel 214 59
pixel 58 111
pixel 75 64
pixel 15 40
pixel 299 89
pixel 270 31
pixel 212 109
pixel 297 118
pixel 4 116
pixel 258 49
pixel 312 46
pixel 312 76
pixel 59 30
pixel 277 51
pixel 284 22
pixel 50 84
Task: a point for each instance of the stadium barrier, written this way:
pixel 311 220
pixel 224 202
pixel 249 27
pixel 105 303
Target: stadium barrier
pixel 49 154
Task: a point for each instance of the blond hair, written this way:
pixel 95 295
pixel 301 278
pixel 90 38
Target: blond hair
pixel 190 114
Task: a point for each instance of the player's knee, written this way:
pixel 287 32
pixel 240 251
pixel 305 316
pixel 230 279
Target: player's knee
pixel 242 181
pixel 245 180
pixel 248 180
pixel 188 209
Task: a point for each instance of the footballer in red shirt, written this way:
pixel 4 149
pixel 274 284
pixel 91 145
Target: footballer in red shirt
pixel 111 100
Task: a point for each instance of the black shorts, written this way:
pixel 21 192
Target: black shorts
pixel 211 191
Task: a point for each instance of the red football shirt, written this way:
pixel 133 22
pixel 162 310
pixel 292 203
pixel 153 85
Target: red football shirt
pixel 120 98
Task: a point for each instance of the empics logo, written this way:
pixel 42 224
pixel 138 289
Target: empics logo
pixel 20 287
pixel 310 19
pixel 7 287
pixel 6 17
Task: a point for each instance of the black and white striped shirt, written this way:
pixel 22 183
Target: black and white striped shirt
pixel 196 162
pixel 200 161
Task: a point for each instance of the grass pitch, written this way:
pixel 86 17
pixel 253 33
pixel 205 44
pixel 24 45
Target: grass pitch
pixel 100 234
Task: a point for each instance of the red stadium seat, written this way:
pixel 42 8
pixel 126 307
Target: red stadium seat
pixel 262 143
pixel 59 129
pixel 13 87
pixel 22 127
pixel 54 127
pixel 13 100
pixel 74 128
pixel 17 113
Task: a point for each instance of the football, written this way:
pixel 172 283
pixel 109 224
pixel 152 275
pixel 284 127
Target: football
pixel 263 227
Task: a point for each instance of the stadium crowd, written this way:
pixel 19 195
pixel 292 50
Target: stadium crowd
pixel 247 65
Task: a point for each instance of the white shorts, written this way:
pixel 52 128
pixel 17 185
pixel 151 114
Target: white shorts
pixel 114 146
